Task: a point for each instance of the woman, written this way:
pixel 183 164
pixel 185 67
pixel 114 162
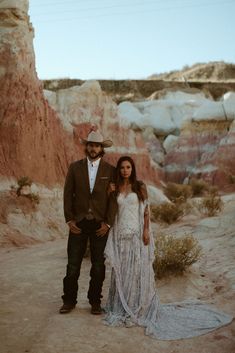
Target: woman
pixel 132 296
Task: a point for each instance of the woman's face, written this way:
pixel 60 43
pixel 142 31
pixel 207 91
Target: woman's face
pixel 125 169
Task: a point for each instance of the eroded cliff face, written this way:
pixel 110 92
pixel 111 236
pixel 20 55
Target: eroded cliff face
pixel 80 107
pixel 32 140
pixel 224 160
pixel 188 134
pixel 202 151
pixel 35 140
pixel 171 135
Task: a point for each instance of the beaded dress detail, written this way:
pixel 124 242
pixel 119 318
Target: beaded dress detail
pixel 133 298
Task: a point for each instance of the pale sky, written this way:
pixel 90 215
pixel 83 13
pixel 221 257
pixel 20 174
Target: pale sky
pixel 129 39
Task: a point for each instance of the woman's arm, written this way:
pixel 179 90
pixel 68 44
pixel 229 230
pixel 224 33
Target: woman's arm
pixel 146 215
pixel 146 226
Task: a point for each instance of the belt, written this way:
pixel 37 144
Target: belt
pixel 90 215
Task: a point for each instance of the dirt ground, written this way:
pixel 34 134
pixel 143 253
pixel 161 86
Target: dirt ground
pixel 31 285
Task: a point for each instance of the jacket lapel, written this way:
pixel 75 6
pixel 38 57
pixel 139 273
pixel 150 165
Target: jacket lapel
pixel 86 175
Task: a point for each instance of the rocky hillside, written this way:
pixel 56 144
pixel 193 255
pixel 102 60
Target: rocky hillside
pixel 135 90
pixel 214 78
pixel 212 71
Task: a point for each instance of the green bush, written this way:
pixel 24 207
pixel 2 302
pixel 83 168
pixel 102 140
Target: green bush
pixel 175 255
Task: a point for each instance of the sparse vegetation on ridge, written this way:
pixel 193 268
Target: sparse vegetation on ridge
pixel 26 181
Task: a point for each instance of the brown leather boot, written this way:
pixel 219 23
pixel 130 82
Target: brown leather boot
pixel 66 308
pixel 96 309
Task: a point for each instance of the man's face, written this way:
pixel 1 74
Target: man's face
pixel 93 150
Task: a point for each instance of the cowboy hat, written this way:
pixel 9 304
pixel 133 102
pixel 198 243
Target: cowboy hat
pixel 96 137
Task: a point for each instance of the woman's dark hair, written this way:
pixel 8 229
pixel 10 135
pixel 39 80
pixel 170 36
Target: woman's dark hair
pixel 135 184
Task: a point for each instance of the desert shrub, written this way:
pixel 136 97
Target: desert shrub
pixel 33 197
pixel 213 190
pixel 198 187
pixel 211 204
pixel 25 181
pixel 231 178
pixel 185 67
pixel 167 212
pixel 178 192
pixel 175 255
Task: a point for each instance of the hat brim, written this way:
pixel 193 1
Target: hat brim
pixel 106 143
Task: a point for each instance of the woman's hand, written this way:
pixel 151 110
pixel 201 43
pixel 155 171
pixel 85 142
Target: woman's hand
pixel 111 188
pixel 146 238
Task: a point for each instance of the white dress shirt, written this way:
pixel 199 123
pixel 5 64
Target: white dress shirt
pixel 92 172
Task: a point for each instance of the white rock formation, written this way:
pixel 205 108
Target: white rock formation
pixel 81 104
pixel 156 195
pixel 228 101
pixel 169 113
pixel 170 142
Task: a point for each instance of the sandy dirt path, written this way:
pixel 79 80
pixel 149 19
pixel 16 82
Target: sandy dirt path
pixel 31 285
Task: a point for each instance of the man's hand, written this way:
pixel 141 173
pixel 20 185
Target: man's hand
pixel 102 230
pixel 73 228
pixel 146 237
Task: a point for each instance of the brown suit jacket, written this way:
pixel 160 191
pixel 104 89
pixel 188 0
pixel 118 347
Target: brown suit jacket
pixel 77 196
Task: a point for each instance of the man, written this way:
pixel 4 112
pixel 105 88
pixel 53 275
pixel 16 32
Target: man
pixel 89 216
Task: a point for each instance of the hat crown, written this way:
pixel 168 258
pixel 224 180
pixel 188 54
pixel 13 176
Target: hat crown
pixel 95 136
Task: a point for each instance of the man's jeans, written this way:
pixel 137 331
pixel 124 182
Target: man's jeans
pixel 77 244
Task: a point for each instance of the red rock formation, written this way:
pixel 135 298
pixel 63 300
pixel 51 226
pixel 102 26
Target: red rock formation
pixel 224 161
pixel 81 106
pixel 32 140
pixel 205 149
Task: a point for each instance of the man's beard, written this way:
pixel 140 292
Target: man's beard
pixel 94 155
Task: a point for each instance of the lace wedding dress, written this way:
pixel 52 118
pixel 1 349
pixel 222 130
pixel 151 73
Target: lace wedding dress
pixel 132 298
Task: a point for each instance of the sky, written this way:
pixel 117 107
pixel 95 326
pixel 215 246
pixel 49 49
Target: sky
pixel 129 39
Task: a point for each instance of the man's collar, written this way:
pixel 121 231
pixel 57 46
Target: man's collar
pixel 94 163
